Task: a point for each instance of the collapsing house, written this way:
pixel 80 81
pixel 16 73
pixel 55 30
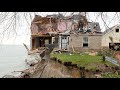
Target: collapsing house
pixel 67 33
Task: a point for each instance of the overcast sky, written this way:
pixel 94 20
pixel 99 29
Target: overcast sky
pixel 23 29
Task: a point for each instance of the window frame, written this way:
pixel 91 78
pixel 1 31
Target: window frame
pixel 116 30
pixel 85 42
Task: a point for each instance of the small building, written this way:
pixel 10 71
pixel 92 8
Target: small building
pixel 111 38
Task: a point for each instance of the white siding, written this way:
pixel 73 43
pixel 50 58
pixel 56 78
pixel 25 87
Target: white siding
pixel 112 33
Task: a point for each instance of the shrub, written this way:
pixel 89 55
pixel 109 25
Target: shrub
pixel 100 53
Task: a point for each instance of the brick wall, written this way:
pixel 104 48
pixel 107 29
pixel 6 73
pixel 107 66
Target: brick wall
pixel 94 42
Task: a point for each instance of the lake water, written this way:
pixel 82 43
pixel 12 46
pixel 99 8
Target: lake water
pixel 12 58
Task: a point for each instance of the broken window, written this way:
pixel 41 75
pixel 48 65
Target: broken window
pixel 114 46
pixel 85 44
pixel 117 30
pixel 89 29
pixel 85 41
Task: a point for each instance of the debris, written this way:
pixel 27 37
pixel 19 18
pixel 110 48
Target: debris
pixel 73 49
pixel 93 53
pixel 32 59
pixel 9 76
pixel 70 54
pixel 27 48
pixel 98 75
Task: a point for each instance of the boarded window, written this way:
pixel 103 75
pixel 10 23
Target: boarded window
pixel 117 30
pixel 85 41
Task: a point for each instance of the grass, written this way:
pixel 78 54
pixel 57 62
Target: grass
pixel 83 60
pixel 110 75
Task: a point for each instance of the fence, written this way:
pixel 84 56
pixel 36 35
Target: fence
pixel 112 60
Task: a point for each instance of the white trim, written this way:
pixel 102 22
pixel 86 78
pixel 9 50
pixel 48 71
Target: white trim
pixel 31 42
pixel 60 39
pixel 117 26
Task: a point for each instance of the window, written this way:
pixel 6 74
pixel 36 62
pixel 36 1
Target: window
pixel 85 41
pixel 117 30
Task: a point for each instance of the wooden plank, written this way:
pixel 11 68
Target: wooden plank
pixel 73 49
pixel 27 48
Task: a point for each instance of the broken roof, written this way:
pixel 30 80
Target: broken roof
pixel 56 16
pixel 43 20
pixel 94 25
pixel 49 23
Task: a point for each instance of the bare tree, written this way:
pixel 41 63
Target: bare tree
pixel 9 21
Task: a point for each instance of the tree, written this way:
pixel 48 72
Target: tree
pixel 10 21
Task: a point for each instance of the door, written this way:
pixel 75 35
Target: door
pixel 64 42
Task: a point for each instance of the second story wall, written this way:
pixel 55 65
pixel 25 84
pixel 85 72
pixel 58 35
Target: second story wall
pixel 114 33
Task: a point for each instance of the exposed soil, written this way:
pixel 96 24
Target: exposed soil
pixel 56 69
pixel 52 69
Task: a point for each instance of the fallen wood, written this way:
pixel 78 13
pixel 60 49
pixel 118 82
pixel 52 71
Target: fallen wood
pixel 27 48
pixel 73 49
pixel 32 59
pixel 35 55
pixel 42 71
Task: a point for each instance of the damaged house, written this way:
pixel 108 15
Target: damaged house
pixel 68 33
pixel 41 28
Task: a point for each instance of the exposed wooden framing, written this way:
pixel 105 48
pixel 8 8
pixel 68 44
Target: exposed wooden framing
pixel 27 48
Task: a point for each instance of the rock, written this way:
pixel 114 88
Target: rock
pixel 32 59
